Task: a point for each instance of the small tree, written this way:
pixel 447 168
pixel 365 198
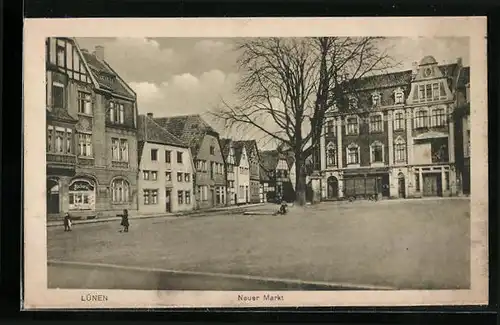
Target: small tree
pixel 287 85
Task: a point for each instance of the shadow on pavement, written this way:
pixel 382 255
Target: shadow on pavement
pixel 86 277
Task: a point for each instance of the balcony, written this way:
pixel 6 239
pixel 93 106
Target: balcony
pixel 61 161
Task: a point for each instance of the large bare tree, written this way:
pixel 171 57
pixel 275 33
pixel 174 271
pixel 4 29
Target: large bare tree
pixel 287 85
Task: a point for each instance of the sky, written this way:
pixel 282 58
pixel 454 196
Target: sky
pixel 174 76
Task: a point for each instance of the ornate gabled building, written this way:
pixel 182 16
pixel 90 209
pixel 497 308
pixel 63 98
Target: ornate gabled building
pixel 91 134
pixel 392 135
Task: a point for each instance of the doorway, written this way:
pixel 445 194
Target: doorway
pixel 168 201
pixel 401 186
pixel 432 184
pixel 52 196
pixel 332 187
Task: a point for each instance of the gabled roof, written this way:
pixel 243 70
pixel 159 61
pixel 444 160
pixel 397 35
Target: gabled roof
pixel 250 146
pixel 269 159
pixel 190 129
pixel 150 131
pixel 225 146
pixel 105 76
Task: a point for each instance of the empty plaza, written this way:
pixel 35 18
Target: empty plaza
pixel 407 244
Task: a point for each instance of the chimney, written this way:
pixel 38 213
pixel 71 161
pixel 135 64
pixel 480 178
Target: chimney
pixel 150 115
pixel 99 52
pixel 414 69
pixel 459 62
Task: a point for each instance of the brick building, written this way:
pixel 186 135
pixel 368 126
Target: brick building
pixel 91 134
pixel 393 135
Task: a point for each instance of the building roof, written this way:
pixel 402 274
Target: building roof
pixel 105 75
pixel 238 151
pixel 190 129
pixel 429 59
pixel 225 146
pixel 60 115
pixel 269 159
pixel 150 131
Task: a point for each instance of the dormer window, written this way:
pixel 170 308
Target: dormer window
pixel 431 91
pixel 399 96
pixel 376 99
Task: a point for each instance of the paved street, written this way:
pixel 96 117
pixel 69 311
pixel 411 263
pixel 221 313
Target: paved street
pixel 412 244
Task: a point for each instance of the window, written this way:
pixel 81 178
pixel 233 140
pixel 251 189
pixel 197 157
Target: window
pixel 352 125
pixel 212 150
pixel 84 103
pixel 68 141
pixel 116 113
pixel 377 152
pixel 58 95
pixel 61 54
pixel 188 197
pixel 120 191
pixel 50 138
pixel 330 128
pixel 399 150
pixel 146 195
pixel 154 196
pixel 115 153
pixel 168 176
pixel 417 182
pixel 59 141
pixel 154 154
pixel 154 175
pixel 438 117
pixel 123 150
pixel 435 91
pixel 180 197
pixel 421 119
pixel 145 175
pixel 399 96
pixel 187 177
pixel 179 177
pixel 376 123
pixel 352 154
pixel 331 155
pixel 431 91
pixel 168 156
pixel 399 121
pixel 85 144
pixel 179 157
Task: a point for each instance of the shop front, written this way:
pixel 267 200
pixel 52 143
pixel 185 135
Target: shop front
pixel 365 183
pixel 82 197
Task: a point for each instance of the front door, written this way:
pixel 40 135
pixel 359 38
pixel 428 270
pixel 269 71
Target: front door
pixel 332 187
pixel 52 196
pixel 432 184
pixel 401 186
pixel 168 206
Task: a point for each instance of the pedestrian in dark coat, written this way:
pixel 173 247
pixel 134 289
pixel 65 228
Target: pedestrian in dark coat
pixel 125 222
pixel 67 222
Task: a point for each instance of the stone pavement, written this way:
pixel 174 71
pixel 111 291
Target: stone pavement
pixel 194 213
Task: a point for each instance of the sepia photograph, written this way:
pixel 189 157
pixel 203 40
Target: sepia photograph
pixel 254 169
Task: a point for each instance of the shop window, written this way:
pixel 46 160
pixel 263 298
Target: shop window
pixel 81 195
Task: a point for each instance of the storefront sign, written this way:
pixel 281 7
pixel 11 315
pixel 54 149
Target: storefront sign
pixel 81 186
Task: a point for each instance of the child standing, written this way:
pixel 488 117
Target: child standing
pixel 67 222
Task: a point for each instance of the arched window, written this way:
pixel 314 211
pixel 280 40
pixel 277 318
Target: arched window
pixel 377 152
pixel 399 150
pixel 120 191
pixel 352 154
pixel 331 154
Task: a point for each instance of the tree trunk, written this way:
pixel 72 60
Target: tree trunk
pixel 300 181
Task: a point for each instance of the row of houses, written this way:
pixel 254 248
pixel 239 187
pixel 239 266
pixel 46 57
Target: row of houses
pixel 103 156
pixel 392 133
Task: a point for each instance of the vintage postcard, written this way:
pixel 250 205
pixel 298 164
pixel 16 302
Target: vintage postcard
pixel 255 162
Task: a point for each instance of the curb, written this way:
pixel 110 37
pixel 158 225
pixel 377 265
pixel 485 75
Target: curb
pixel 194 213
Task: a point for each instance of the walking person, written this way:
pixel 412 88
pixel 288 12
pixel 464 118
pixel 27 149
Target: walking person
pixel 125 222
pixel 67 222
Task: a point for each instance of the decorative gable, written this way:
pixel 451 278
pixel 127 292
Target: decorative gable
pixel 399 96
